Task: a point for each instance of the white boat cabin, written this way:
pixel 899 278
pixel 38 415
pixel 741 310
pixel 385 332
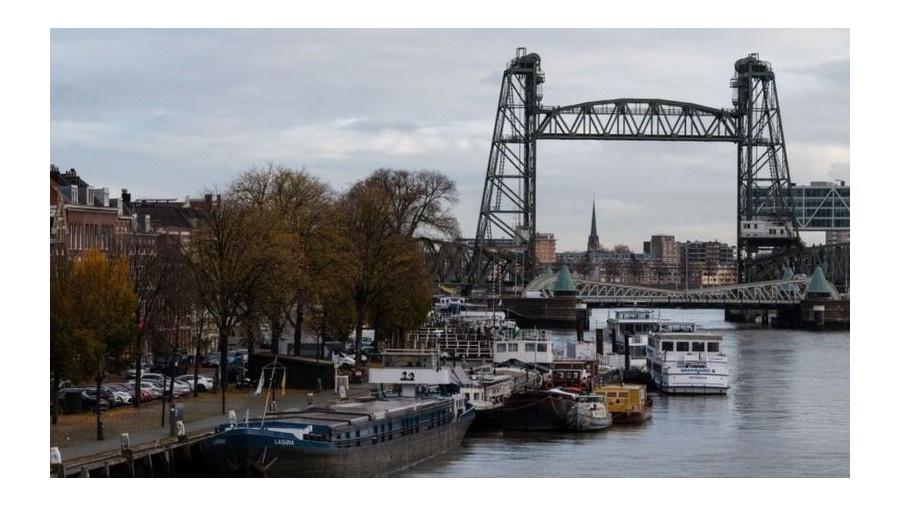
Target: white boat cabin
pixel 531 346
pixel 692 363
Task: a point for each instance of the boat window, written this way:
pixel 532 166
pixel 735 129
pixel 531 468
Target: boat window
pixel 513 346
pixel 542 347
pixel 529 347
pixel 501 346
pixel 682 346
pixel 667 346
pixel 697 346
pixel 712 347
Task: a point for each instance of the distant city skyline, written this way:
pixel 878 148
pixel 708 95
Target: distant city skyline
pixel 167 113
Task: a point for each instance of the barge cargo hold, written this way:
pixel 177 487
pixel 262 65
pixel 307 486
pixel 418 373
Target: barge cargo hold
pixel 367 437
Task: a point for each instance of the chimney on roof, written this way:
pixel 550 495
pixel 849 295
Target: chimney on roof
pixel 126 197
pixel 218 200
pixel 187 201
pixel 54 169
pixel 208 200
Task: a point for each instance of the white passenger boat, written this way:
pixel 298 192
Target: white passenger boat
pixel 635 325
pixel 688 363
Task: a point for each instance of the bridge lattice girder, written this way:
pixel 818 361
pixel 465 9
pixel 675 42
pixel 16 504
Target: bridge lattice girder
pixel 758 293
pixel 638 119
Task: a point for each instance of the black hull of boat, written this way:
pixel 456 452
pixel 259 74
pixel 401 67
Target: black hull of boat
pixel 365 461
pixel 536 411
pixel 488 419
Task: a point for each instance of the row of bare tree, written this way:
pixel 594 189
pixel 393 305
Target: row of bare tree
pixel 278 247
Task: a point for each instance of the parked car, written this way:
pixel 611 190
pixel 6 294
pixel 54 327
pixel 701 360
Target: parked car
pixel 126 390
pixel 115 397
pixel 131 372
pixel 180 388
pixel 211 359
pixel 204 383
pixel 154 376
pixel 89 400
pixel 152 388
pixel 340 358
pixel 171 364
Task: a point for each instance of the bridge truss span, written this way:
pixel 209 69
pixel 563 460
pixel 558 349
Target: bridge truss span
pixel 638 119
pixel 760 294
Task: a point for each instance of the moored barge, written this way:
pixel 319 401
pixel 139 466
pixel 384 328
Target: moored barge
pixel 555 410
pixel 627 403
pixel 368 437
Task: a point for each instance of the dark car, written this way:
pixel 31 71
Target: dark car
pixel 211 359
pixel 171 364
pixel 89 399
pixel 237 373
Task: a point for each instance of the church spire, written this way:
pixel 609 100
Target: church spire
pixel 593 239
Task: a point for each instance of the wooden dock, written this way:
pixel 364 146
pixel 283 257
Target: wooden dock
pixel 165 457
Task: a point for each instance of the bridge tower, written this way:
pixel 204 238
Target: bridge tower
pixel 508 202
pixel 765 207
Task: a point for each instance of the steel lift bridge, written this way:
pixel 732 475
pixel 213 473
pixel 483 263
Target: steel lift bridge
pixel 507 219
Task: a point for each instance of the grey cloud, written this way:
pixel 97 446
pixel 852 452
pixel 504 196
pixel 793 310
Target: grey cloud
pixel 169 112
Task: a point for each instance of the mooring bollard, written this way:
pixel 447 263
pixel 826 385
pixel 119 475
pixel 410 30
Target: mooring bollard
pixel 57 470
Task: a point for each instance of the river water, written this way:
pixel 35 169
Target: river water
pixel 787 414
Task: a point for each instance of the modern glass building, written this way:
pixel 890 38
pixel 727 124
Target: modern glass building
pixel 821 206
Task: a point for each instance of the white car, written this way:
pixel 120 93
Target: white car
pixel 340 358
pixel 155 390
pixel 204 383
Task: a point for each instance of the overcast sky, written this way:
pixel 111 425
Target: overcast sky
pixel 167 113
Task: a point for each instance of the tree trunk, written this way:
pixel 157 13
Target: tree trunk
pixel 223 362
pixel 137 366
pixel 197 353
pixel 97 408
pixel 251 339
pixel 360 315
pixel 298 330
pixel 320 349
pixel 276 325
pixel 168 367
pixel 54 396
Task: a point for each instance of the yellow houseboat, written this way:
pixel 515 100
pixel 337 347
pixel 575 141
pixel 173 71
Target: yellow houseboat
pixel 627 403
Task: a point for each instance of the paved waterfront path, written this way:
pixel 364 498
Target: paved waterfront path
pixel 81 427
